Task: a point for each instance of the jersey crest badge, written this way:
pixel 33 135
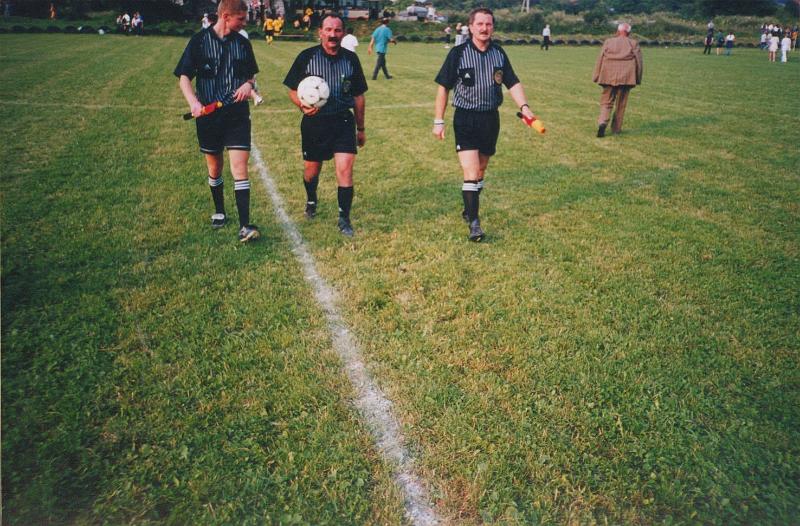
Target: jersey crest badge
pixel 498 76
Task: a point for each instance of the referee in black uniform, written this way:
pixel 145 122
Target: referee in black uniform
pixel 225 67
pixel 333 131
pixel 476 71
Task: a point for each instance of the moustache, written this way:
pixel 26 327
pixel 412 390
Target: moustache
pixel 333 39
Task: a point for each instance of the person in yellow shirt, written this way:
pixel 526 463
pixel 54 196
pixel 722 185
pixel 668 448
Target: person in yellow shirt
pixel 269 28
pixel 278 25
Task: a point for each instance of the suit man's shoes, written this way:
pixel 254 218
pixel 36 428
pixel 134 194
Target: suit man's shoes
pixel 601 130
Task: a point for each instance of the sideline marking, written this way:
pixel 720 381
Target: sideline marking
pixel 375 408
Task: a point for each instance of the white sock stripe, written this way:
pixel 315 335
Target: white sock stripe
pixel 215 182
pixel 242 185
pixel 470 187
pixel 480 184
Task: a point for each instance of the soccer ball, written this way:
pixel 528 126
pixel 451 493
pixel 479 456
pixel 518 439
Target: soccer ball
pixel 313 92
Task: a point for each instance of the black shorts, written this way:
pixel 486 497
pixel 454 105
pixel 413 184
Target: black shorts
pixel 228 127
pixel 324 135
pixel 476 130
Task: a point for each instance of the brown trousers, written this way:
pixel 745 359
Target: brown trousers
pixel 611 94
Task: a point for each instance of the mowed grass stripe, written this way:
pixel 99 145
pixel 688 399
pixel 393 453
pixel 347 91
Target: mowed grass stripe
pixel 612 296
pixel 172 392
pixel 624 347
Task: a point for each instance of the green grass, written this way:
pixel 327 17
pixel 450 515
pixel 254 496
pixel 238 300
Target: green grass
pixel 623 348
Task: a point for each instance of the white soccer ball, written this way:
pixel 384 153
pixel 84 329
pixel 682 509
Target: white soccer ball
pixel 313 92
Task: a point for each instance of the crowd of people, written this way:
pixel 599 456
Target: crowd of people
pixel 775 38
pixel 130 25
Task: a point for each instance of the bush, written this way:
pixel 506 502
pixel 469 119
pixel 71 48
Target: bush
pixel 18 29
pixel 70 29
pixel 53 29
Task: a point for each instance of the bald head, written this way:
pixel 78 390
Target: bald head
pixel 624 28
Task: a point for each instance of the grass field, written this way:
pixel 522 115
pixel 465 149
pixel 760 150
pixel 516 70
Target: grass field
pixel 622 349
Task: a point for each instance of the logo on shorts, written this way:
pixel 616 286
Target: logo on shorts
pixel 458 147
pixel 498 76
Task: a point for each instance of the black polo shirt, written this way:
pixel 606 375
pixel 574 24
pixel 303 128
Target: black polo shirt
pixel 342 72
pixel 476 77
pixel 221 65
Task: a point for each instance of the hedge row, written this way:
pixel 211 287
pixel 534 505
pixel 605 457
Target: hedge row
pixel 400 38
pixel 152 32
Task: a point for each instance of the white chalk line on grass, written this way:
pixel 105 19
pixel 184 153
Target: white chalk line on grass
pixel 140 107
pixel 375 408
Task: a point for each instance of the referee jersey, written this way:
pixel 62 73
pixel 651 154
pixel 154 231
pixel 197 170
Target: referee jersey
pixel 476 77
pixel 221 65
pixel 342 72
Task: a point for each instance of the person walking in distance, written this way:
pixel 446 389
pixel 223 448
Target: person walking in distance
pixel 223 62
pixel 618 70
pixel 476 71
pixel 380 43
pixel 545 38
pixel 333 131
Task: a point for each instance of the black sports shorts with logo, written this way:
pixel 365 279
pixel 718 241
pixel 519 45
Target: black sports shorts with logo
pixel 476 130
pixel 228 127
pixel 324 135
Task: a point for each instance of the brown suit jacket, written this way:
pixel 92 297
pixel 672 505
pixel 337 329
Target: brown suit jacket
pixel 619 63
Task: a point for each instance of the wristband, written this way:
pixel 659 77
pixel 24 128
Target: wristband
pixel 524 106
pixel 438 122
pixel 360 129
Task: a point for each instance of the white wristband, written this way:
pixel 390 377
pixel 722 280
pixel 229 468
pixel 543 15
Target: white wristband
pixel 438 122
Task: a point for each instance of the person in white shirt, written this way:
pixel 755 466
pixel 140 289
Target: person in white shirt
pixel 350 41
pixel 729 40
pixel 774 41
pixel 786 45
pixel 545 38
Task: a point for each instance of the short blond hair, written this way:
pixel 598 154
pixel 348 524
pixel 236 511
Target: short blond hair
pixel 231 6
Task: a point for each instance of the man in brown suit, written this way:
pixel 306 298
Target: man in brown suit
pixel 618 69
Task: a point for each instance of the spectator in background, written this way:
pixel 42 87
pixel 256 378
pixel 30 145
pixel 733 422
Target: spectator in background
pixel 729 40
pixel 126 23
pixel 774 42
pixel 52 11
pixel 720 42
pixel 618 70
pixel 138 24
pixel 205 21
pixel 709 41
pixel 380 43
pixel 786 46
pixel 350 41
pixel 763 44
pixel 447 31
pixel 459 38
pixel 545 38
